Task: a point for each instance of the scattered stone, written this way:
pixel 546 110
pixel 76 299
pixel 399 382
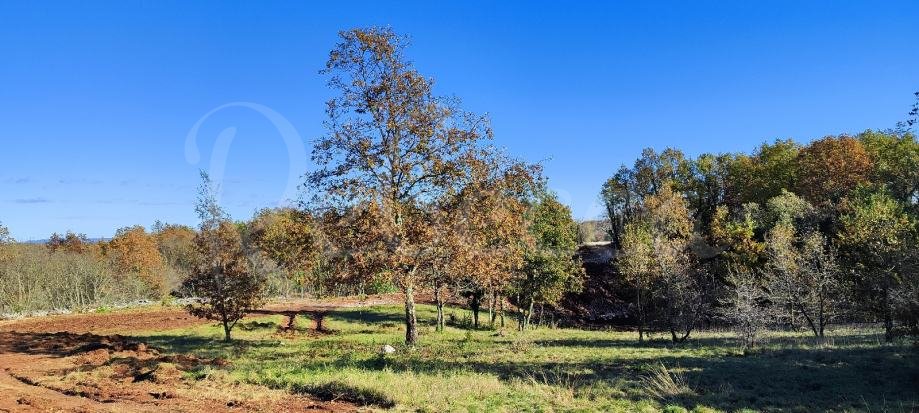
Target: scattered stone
pixel 387 350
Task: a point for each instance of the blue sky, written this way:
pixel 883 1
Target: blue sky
pixel 97 98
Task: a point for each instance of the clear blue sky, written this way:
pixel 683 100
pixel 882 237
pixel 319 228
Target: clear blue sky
pixel 97 98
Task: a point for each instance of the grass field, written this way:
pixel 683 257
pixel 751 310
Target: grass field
pixel 557 369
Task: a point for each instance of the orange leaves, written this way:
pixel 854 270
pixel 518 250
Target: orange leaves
pixel 135 251
pixel 830 168
pixel 287 236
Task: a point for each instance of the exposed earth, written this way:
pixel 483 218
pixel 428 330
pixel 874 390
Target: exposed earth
pixel 88 363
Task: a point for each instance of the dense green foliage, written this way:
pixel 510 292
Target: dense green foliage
pixel 826 230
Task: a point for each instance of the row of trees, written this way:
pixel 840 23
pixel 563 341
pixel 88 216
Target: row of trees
pixel 791 235
pixel 408 192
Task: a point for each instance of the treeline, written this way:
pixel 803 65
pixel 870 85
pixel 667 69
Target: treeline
pixel 409 194
pixel 791 235
pixel 71 272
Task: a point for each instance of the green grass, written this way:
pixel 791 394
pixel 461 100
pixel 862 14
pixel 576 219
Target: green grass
pixel 559 370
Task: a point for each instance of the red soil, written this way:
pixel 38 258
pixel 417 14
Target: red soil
pixel 78 363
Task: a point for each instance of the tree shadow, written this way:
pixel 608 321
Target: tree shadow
pixel 367 316
pixel 883 378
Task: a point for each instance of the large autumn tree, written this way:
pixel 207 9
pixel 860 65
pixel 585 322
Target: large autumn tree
pixel 831 168
pixel 393 147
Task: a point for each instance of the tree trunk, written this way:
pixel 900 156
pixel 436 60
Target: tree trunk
pixel 888 317
pixel 529 314
pixel 491 309
pixel 821 315
pixel 438 297
pixel 520 315
pixel 542 312
pixel 641 318
pixel 411 322
pixel 810 323
pixel 226 330
pixel 501 311
pixel 494 304
pixel 475 304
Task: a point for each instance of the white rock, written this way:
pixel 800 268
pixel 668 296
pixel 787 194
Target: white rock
pixel 387 349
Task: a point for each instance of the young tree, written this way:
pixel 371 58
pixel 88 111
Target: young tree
pixel 803 277
pixel 551 267
pixel 822 277
pixel 783 274
pixel 681 284
pixel 222 281
pixel 747 308
pixel 656 257
pixel 392 149
pixel 635 262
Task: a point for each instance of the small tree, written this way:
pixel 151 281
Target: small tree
pixel 822 276
pixel 747 308
pixel 635 261
pixel 488 228
pixel 551 266
pixel 222 281
pixel 656 258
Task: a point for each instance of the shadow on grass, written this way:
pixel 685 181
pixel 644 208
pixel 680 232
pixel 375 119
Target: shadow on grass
pixel 338 391
pixel 884 378
pixel 855 375
pixel 368 316
pixel 206 347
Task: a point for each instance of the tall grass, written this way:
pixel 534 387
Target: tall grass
pixel 662 383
